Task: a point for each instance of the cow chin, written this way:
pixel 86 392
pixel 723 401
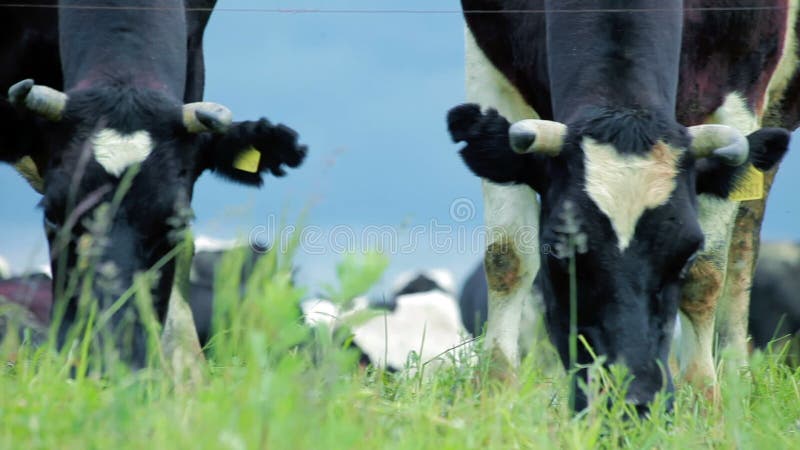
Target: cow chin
pixel 643 382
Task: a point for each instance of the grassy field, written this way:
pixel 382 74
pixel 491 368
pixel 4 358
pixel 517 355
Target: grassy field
pixel 271 384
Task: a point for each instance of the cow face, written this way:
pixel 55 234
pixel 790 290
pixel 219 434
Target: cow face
pixel 118 168
pixel 633 227
pixel 619 195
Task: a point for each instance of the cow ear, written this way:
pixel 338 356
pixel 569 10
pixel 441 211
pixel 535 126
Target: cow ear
pixel 28 169
pixel 767 146
pixel 20 138
pixel 488 152
pixel 248 150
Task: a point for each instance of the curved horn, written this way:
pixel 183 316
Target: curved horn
pixel 206 116
pixel 719 141
pixel 537 136
pixel 47 102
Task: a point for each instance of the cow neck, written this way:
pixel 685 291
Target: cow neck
pixel 601 55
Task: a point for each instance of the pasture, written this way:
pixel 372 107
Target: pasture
pixel 271 384
pixel 628 200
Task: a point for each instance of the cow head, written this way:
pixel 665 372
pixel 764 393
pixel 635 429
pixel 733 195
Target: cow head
pixel 626 185
pixel 116 167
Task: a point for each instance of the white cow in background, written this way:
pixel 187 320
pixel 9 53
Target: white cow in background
pixel 422 317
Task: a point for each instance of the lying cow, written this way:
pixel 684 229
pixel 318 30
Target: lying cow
pixel 115 143
pixel 421 316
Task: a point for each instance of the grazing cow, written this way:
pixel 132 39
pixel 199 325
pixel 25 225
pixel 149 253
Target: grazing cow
pixel 116 142
pixel 775 299
pixel 641 200
pixel 420 316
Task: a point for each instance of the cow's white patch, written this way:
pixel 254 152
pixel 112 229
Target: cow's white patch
pixel 625 186
pixel 317 311
pixel 490 88
pixel 716 216
pixel 734 112
pixel 116 151
pixel 428 323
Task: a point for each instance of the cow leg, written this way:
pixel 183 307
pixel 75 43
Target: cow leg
pixel 180 344
pixel 511 217
pixel 706 295
pixel 734 305
pixel 179 341
pixel 511 265
pixel 700 294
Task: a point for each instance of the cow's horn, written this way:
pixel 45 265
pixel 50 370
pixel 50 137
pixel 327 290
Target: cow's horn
pixel 537 136
pixel 725 143
pixel 47 102
pixel 206 116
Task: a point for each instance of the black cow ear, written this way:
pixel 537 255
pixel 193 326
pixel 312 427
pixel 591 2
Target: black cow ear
pixel 488 153
pixel 22 143
pixel 250 149
pixel 767 146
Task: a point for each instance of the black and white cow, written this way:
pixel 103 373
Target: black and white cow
pixel 419 316
pixel 124 100
pixel 584 97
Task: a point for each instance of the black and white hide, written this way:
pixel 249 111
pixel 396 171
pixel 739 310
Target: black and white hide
pixel 421 317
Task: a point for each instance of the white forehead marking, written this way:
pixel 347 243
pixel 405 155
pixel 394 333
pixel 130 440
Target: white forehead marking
pixel 116 152
pixel 624 186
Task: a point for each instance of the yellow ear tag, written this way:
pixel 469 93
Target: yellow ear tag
pixel 751 186
pixel 248 160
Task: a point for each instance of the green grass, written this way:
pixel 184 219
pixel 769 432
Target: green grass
pixel 267 387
